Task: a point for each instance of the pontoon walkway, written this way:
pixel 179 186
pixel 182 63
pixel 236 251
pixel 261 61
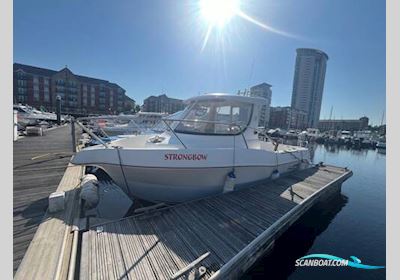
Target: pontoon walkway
pixel 229 232
pixel 39 165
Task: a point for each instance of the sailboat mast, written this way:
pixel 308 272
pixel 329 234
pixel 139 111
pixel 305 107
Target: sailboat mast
pixel 330 119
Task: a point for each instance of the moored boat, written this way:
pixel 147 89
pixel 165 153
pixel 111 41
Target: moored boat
pixel 213 140
pixel 381 143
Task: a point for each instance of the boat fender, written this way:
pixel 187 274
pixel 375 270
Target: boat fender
pixel 89 193
pixel 89 178
pixel 275 174
pixel 229 184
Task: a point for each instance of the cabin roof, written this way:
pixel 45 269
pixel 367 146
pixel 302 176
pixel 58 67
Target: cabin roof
pixel 226 96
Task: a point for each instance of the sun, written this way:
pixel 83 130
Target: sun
pixel 219 12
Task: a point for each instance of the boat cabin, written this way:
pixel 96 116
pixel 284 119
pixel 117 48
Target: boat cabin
pixel 218 114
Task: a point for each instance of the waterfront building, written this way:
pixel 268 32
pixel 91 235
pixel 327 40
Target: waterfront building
pixel 308 83
pixel 263 90
pixel 351 125
pixel 80 95
pixel 162 104
pixel 287 118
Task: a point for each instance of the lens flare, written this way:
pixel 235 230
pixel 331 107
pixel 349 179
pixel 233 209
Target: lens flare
pixel 219 12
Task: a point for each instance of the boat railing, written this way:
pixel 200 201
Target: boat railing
pixel 88 131
pixel 203 121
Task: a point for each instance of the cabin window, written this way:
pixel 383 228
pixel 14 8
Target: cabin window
pixel 216 117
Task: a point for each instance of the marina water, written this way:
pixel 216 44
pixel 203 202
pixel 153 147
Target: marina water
pixel 349 224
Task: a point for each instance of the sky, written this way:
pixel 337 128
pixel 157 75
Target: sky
pixel 150 47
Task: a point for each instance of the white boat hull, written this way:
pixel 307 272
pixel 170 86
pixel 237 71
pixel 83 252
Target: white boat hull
pixel 191 160
pixel 174 185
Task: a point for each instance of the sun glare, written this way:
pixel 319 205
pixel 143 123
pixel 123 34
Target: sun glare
pixel 219 12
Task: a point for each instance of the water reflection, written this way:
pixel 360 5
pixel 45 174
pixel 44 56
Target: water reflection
pixel 297 241
pixel 359 228
pixel 335 149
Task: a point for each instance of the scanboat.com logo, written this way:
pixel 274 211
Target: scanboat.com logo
pixel 329 260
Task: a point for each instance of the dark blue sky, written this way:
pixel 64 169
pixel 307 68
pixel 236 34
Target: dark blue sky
pixel 151 47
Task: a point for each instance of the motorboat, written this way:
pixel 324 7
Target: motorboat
pixel 344 137
pixel 27 115
pixel 214 140
pixel 366 138
pixel 140 123
pixel 122 129
pixel 381 143
pixel 313 133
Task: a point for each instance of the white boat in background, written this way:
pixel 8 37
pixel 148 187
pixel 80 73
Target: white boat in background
pixel 313 133
pixel 122 129
pixel 344 135
pixel 140 123
pixel 149 119
pixel 212 142
pixel 364 134
pixel 27 115
pixel 381 143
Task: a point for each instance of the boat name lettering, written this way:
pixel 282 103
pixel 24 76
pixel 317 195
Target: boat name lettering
pixel 185 157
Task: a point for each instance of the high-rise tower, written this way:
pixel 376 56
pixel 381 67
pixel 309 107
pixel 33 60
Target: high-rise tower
pixel 308 83
pixel 264 91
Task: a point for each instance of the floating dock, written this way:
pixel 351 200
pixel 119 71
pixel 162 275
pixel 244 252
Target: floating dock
pixel 39 163
pixel 228 232
pixel 218 237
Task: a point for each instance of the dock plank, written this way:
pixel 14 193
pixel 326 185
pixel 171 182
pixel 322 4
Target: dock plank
pixel 235 228
pixel 34 180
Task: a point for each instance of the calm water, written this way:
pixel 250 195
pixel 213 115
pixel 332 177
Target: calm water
pixel 350 224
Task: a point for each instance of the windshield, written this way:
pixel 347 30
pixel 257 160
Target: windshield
pixel 217 117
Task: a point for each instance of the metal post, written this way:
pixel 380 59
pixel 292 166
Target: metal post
pixel 73 135
pixel 58 109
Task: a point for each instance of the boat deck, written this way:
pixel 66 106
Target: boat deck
pixel 235 228
pixel 39 164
